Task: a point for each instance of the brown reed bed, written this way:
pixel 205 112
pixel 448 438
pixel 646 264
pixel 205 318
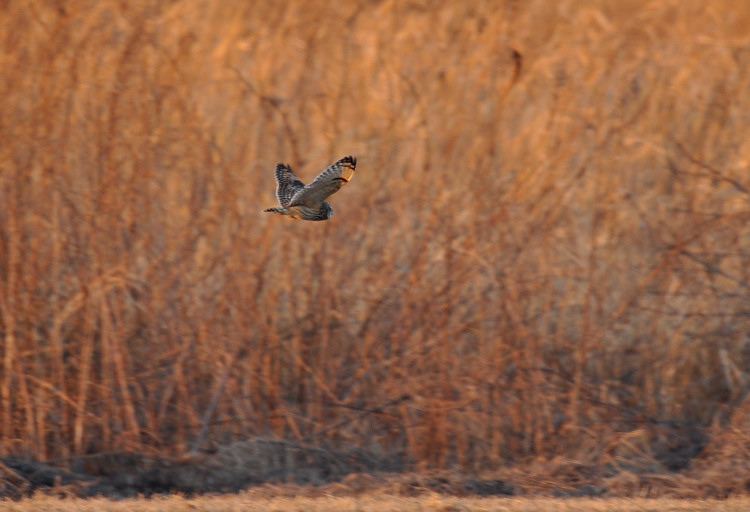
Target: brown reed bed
pixel 544 254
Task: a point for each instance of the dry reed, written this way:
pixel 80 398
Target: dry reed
pixel 545 251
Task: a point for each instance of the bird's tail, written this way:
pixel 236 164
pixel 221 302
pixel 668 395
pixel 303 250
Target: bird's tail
pixel 275 209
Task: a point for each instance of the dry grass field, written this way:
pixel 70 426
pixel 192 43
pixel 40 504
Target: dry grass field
pixel 377 503
pixel 543 260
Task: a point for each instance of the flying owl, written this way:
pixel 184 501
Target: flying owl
pixel 307 202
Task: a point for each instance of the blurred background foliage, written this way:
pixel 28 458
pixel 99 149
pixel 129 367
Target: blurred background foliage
pixel 545 251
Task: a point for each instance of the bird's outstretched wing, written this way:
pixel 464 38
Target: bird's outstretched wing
pixel 329 181
pixel 287 184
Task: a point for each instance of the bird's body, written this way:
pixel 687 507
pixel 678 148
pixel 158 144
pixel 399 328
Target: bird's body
pixel 302 212
pixel 307 202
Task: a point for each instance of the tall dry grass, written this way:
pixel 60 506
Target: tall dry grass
pixel 545 250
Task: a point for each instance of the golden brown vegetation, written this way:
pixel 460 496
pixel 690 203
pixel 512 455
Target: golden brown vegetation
pixel 544 254
pixel 376 503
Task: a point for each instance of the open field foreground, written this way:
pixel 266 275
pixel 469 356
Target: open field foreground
pixel 377 503
pixel 539 271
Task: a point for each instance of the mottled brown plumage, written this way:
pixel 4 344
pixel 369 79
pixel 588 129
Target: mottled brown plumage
pixel 307 202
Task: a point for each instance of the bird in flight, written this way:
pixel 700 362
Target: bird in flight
pixel 307 202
